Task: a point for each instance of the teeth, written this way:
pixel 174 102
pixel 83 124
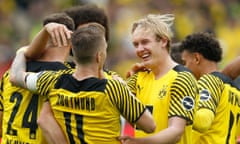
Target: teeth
pixel 145 55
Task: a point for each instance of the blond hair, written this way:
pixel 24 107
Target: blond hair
pixel 158 24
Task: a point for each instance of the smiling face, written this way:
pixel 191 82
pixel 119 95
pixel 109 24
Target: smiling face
pixel 147 48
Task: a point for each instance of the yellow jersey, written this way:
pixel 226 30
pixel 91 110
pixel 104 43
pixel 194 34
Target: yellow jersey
pixel 174 94
pixel 21 108
pixel 89 110
pixel 219 94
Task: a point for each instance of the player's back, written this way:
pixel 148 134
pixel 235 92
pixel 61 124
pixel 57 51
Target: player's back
pixel 89 110
pixel 21 108
pixel 234 113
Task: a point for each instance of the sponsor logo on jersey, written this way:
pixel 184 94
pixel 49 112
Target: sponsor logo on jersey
pixel 188 103
pixel 204 95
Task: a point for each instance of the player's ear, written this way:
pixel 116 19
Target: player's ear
pixel 197 58
pixel 98 57
pixel 164 42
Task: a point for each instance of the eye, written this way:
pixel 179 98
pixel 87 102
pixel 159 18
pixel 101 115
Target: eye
pixel 135 44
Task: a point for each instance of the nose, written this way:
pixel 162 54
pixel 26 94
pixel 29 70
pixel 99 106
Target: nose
pixel 139 48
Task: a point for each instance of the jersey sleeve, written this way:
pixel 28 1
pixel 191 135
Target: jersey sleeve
pixel 46 81
pixel 40 82
pixel 132 82
pixel 1 91
pixel 184 96
pixel 210 88
pixel 127 104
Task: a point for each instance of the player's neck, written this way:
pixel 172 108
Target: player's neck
pixel 208 67
pixel 164 67
pixel 86 71
pixel 205 67
pixel 55 54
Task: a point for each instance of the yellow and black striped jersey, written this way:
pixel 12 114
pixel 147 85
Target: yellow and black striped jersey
pixel 234 115
pixel 174 94
pixel 89 110
pixel 219 94
pixel 21 108
pixel 1 97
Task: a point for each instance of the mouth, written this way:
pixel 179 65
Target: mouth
pixel 145 56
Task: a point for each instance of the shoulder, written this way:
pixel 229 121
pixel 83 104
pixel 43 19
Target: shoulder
pixel 181 68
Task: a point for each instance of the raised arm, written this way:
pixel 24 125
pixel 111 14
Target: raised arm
pixel 232 69
pixel 58 33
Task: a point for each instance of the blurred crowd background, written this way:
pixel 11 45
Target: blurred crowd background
pixel 20 20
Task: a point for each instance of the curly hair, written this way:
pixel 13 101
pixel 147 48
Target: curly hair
pixel 83 14
pixel 205 44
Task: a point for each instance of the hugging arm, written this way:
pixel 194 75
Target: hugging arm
pixel 18 70
pixel 232 69
pixel 58 33
pixel 51 129
pixel 172 134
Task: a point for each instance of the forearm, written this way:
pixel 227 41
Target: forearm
pixel 167 136
pixel 37 45
pixel 18 70
pixel 232 69
pixel 51 130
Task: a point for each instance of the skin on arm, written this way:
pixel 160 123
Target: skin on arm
pixel 136 68
pixel 18 70
pixel 51 130
pixel 59 35
pixel 17 77
pixel 146 118
pixel 232 69
pixel 172 134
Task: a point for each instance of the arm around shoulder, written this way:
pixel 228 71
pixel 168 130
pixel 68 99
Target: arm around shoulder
pixel 232 69
pixel 18 70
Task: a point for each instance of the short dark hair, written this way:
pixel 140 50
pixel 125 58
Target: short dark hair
pixel 175 52
pixel 83 14
pixel 60 18
pixel 86 41
pixel 205 44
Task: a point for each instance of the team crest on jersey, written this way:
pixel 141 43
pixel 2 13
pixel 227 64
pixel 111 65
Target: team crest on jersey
pixel 188 103
pixel 204 95
pixel 163 91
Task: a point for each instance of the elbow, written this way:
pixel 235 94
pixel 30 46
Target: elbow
pixel 151 128
pixel 16 79
pixel 40 121
pixel 12 78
